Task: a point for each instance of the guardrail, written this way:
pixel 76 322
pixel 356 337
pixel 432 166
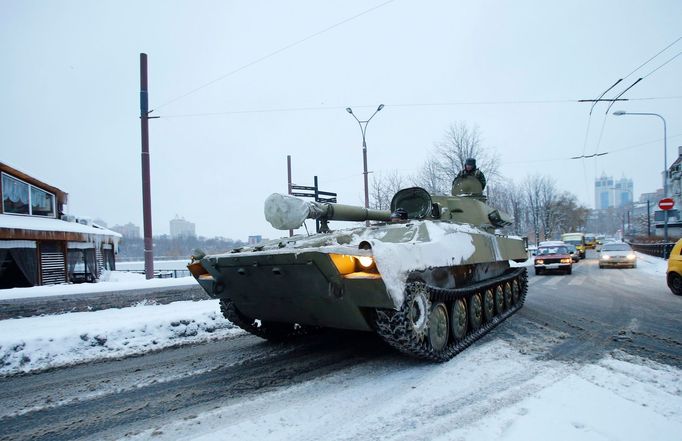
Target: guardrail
pixel 163 274
pixel 654 249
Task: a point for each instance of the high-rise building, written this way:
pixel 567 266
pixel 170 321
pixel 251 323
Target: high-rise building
pixel 179 227
pixel 610 193
pixel 129 230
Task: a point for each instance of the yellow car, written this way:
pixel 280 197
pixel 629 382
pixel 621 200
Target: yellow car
pixel 674 273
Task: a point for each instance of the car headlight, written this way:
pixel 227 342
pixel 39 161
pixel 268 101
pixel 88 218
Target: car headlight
pixel 539 262
pixel 631 257
pixel 605 257
pixel 566 260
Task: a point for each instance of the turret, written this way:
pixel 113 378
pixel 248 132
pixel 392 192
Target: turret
pixel 287 212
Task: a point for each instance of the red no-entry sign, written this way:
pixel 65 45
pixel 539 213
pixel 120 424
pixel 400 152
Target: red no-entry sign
pixel 666 204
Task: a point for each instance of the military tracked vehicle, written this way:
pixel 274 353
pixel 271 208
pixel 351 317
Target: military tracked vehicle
pixel 430 275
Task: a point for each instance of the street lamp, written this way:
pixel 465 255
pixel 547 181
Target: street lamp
pixel 363 130
pixel 665 163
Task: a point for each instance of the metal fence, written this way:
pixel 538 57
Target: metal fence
pixel 163 274
pixel 654 249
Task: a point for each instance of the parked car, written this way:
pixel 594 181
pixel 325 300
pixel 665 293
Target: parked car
pixel 674 273
pixel 553 258
pixel 617 254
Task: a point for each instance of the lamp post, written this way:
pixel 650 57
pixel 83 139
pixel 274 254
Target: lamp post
pixel 363 130
pixel 665 163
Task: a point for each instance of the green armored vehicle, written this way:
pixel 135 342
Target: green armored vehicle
pixel 430 276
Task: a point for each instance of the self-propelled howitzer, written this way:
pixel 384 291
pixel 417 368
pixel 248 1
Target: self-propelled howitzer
pixel 430 276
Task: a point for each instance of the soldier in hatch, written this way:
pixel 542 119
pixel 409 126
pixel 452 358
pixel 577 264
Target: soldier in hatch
pixel 471 170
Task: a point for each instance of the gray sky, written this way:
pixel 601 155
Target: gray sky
pixel 69 89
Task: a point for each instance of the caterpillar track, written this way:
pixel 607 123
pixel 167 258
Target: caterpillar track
pixel 436 324
pixel 275 332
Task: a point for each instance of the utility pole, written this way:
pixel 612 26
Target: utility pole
pixel 146 179
pixel 291 232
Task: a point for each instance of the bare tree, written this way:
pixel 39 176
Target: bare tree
pixel 510 199
pixel 461 142
pixel 430 177
pixel 532 188
pixel 383 187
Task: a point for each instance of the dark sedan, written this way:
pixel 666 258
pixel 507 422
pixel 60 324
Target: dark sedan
pixel 553 258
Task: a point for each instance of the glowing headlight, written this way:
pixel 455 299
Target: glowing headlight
pixel 631 257
pixel 565 260
pixel 605 256
pixel 539 262
pixel 365 261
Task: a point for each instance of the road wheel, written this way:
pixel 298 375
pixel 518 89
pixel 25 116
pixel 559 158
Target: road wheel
pixel 489 304
pixel 499 299
pixel 458 319
pixel 675 283
pixel 569 270
pixel 515 292
pixel 507 295
pixel 475 311
pixel 439 327
pixel 418 310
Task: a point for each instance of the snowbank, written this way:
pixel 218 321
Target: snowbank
pixel 651 264
pixel 114 281
pixel 37 343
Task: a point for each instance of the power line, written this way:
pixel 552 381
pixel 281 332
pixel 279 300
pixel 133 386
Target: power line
pixel 633 146
pixel 273 53
pixel 647 61
pixel 671 59
pixel 397 105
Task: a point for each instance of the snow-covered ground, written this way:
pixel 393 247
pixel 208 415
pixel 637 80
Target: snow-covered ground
pixel 493 390
pixel 652 265
pixel 110 281
pixel 37 343
pixel 489 392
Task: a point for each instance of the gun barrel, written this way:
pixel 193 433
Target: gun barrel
pixel 287 212
pixel 354 213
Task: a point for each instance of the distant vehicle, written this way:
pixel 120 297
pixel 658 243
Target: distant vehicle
pixel 617 254
pixel 577 240
pixel 590 241
pixel 573 251
pixel 553 258
pixel 674 273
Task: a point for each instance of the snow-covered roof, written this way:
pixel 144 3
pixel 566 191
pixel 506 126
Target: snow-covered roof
pixel 34 223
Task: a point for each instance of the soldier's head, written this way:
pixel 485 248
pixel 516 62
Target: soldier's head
pixel 470 164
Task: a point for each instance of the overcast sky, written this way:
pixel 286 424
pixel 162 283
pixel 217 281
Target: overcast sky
pixel 69 89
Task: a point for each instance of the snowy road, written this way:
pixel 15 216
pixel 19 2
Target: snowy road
pixel 593 355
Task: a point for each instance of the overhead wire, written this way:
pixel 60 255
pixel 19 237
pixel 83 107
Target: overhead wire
pixel 273 53
pixel 394 106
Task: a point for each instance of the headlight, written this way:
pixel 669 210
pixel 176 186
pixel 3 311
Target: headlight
pixel 631 257
pixel 365 262
pixel 539 262
pixel 565 260
pixel 346 264
pixel 605 257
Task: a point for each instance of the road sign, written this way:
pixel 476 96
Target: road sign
pixel 666 204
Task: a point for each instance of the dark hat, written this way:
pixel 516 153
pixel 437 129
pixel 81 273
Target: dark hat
pixel 470 161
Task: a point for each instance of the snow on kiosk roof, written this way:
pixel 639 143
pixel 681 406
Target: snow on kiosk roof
pixel 36 228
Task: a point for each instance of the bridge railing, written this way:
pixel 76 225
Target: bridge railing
pixel 654 249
